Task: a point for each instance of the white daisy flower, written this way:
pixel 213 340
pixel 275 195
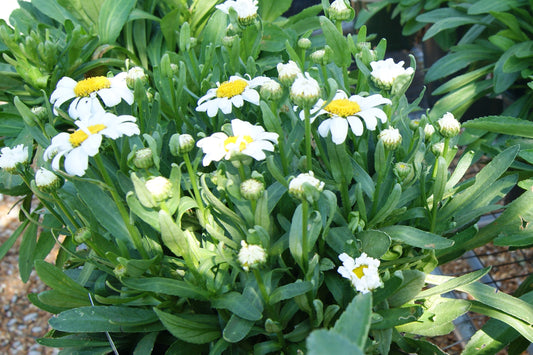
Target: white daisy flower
pixel 246 10
pixel 448 125
pixel 296 185
pixel 85 94
pixel 385 72
pixel 230 93
pixel 362 272
pixel 10 157
pixel 83 143
pixel 251 256
pixel 287 73
pixel 344 111
pixel 247 139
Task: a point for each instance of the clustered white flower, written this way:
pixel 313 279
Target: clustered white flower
pixel 362 272
pixel 246 10
pixel 10 157
pixel 251 255
pixel 297 186
pixel 385 72
pixel 448 125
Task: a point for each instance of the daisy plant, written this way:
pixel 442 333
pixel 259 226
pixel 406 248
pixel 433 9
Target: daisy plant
pixel 250 183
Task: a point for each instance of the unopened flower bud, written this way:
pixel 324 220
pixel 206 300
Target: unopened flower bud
pixel 228 41
pixel 306 187
pixel 305 91
pixel 252 189
pixel 339 11
pixel 181 144
pixel 251 256
pixel 391 138
pixel 40 112
pixel 120 271
pixel 428 131
pixel 82 235
pixel 47 181
pixel 414 124
pixel 438 148
pixel 144 158
pixel 448 125
pixel 287 73
pixel 159 187
pixel 271 90
pixel 304 43
pixel 11 157
pixel 403 170
pixel 134 74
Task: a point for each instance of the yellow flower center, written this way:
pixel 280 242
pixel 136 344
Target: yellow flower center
pixel 359 271
pixel 244 140
pixel 87 86
pixel 343 107
pixel 79 136
pixel 230 89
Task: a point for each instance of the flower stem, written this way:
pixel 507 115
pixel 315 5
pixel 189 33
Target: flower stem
pixel 133 232
pixel 65 210
pixel 194 183
pixel 308 160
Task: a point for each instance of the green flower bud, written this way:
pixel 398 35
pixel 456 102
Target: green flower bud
pixel 414 124
pixel 306 187
pixel 271 90
pixel 180 144
pixel 391 138
pixel 119 271
pixel 252 189
pixel 134 74
pixel 448 125
pixel 438 148
pixel 339 11
pixel 304 43
pixel 305 91
pixel 82 235
pixel 228 41
pixel 40 112
pixel 403 170
pixel 144 158
pixel 428 131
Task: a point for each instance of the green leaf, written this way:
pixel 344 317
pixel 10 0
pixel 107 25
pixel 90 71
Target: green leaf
pixel 462 80
pixel 520 238
pixel 337 42
pixel 486 6
pixel 412 283
pixel 172 236
pixel 374 243
pixel 60 282
pixel 449 23
pixel 53 10
pixel 146 344
pixel 192 328
pixel 269 10
pixel 166 286
pixel 291 290
pixel 502 124
pixel 104 319
pixel 237 304
pixel 237 329
pixel 354 322
pixel 6 246
pixel 321 342
pixel 75 340
pixel 27 252
pixel 416 237
pixel 113 16
pixel 389 318
pixel 453 283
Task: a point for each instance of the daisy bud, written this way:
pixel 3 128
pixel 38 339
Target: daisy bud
pixel 181 143
pixel 251 256
pixel 193 41
pixel 228 41
pixel 339 11
pixel 120 271
pixel 414 124
pixel 134 74
pixel 386 72
pixel 160 188
pixel 402 170
pixel 305 91
pixel 144 158
pixel 252 189
pixel 322 56
pixel 438 148
pixel 40 112
pixel 391 138
pixel 11 157
pixel 287 73
pixel 306 187
pixel 82 235
pixel 271 90
pixel 47 181
pixel 428 131
pixel 304 43
pixel 174 68
pixel 448 125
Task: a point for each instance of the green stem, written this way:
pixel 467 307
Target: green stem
pixel 281 141
pixel 194 183
pixel 345 198
pixel 132 231
pixel 305 251
pixel 381 175
pixel 65 210
pixel 261 286
pixel 242 174
pixel 308 160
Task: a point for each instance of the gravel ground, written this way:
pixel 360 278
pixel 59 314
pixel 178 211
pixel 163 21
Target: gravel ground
pixel 21 322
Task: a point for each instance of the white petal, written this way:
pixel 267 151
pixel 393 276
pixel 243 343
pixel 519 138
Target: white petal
pixel 211 93
pixel 76 162
pixel 224 104
pixel 237 101
pixel 251 96
pixel 338 129
pixel 91 145
pixel 323 128
pixel 212 108
pixel 356 125
pixel 370 118
pixel 109 96
pixel 241 128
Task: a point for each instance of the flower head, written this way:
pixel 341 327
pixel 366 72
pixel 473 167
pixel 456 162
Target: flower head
pixel 134 74
pixel 47 181
pixel 247 139
pixel 391 138
pixel 251 256
pixel 448 125
pixel 339 11
pixel 246 10
pixel 362 272
pixel 252 189
pixel 84 92
pixel 305 186
pixel 230 93
pixel 271 90
pixel 10 157
pixel 85 142
pixel 287 73
pixel 385 72
pixel 159 187
pixel 305 90
pixel 429 130
pixel 144 158
pixel 344 111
